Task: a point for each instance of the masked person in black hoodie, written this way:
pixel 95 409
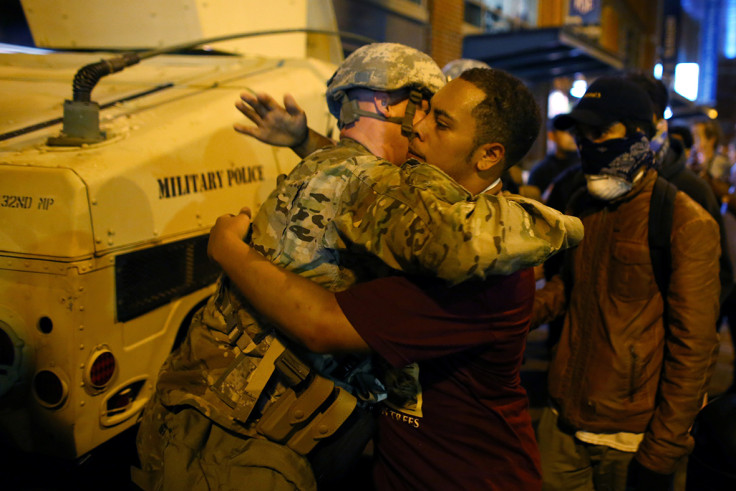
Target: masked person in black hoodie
pixel 670 155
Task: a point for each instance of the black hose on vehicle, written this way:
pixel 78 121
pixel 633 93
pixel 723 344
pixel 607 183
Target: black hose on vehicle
pixel 82 115
pixel 88 76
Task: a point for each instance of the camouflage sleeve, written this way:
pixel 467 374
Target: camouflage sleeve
pixel 425 230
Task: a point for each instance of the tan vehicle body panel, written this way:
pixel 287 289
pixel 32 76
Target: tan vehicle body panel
pixel 170 165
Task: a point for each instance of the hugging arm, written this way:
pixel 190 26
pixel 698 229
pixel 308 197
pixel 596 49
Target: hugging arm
pixel 454 236
pixel 300 308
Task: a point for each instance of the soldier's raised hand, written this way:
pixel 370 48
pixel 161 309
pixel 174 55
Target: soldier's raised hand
pixel 283 126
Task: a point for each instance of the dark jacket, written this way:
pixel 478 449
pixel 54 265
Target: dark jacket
pixel 546 170
pixel 617 367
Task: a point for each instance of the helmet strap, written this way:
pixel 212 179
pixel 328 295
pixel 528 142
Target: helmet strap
pixel 407 124
pixel 350 112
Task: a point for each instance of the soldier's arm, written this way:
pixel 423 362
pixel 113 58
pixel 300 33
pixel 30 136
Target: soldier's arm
pixel 691 341
pixel 302 309
pixel 282 126
pixel 422 229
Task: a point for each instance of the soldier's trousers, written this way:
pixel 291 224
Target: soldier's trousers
pixel 185 450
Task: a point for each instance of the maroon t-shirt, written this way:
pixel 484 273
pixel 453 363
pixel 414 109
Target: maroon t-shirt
pixel 457 416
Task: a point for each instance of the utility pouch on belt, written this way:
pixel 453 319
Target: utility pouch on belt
pixel 310 410
pixel 301 421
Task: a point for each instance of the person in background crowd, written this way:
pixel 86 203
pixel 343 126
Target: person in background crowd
pixel 728 210
pixel 563 155
pixel 685 136
pixel 670 158
pixel 557 177
pixel 708 161
pixel 455 68
pixel 631 369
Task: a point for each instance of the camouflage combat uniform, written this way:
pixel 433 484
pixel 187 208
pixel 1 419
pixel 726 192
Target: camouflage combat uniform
pixel 338 212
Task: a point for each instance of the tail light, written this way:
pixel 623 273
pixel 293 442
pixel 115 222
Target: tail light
pixel 100 369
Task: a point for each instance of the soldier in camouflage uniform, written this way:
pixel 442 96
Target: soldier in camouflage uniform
pixel 341 216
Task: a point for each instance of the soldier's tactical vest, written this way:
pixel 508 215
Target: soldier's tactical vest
pixel 268 391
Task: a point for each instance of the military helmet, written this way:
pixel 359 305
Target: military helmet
pixel 384 67
pixel 456 67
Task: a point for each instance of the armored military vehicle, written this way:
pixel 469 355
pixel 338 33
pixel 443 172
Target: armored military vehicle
pixel 106 203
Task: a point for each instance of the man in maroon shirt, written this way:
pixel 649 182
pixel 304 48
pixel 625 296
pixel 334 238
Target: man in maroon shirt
pixel 456 416
pixel 467 425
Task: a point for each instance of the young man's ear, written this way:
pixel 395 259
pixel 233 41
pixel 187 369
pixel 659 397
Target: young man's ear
pixel 489 155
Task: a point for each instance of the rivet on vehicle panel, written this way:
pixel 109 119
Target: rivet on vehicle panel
pixel 81 347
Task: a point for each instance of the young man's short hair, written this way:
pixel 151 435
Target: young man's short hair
pixel 508 115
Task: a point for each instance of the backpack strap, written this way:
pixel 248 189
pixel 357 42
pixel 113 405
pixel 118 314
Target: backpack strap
pixel 661 211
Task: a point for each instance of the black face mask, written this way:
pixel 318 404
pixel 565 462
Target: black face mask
pixel 621 157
